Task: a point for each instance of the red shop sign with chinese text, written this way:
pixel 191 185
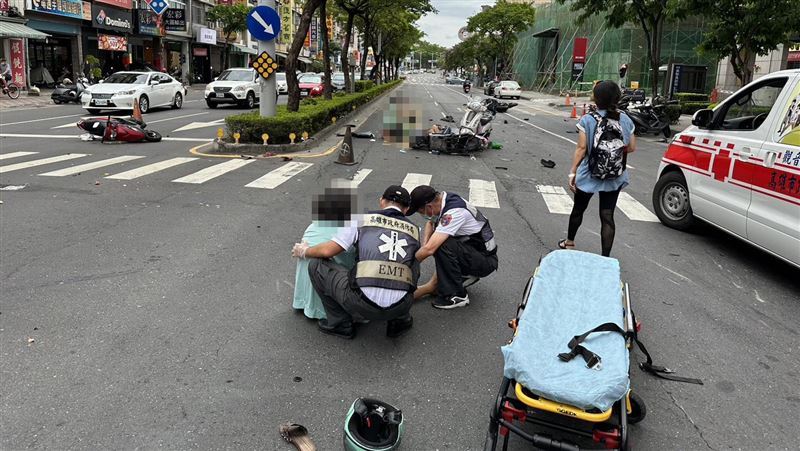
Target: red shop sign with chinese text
pixel 124 4
pixel 17 62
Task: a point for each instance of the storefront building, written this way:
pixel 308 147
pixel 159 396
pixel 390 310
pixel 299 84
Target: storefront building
pixel 205 40
pixel 14 38
pixel 110 33
pixel 60 54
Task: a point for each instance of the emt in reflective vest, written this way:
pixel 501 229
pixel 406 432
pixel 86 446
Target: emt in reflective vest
pixel 382 283
pixel 461 241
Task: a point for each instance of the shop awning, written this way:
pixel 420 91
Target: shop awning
pixel 17 30
pixel 548 33
pixel 244 49
pixel 303 59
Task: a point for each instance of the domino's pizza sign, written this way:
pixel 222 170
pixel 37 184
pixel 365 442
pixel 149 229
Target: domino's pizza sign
pixel 158 6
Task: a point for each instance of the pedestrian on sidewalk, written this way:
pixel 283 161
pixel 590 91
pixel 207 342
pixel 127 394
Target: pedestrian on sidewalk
pixel 605 138
pixel 330 211
pixel 381 285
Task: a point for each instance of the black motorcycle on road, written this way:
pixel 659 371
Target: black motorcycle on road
pixel 69 92
pixel 648 116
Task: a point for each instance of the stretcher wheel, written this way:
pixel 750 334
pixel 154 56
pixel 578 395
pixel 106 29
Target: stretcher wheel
pixel 638 409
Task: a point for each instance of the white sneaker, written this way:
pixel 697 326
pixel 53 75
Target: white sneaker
pixel 451 302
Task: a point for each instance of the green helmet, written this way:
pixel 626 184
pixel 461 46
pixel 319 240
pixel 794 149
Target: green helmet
pixel 372 425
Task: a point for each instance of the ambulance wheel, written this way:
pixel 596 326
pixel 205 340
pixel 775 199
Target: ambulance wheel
pixel 638 409
pixel 671 201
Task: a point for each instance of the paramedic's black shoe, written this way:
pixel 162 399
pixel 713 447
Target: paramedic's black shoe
pixel 398 326
pixel 345 330
pixel 451 302
pixel 470 281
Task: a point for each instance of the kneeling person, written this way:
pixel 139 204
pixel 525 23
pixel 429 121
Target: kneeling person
pixel 381 285
pixel 461 241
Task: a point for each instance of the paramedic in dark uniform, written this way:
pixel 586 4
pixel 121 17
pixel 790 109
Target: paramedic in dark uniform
pixel 381 284
pixel 461 241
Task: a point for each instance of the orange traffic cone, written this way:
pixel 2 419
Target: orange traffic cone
pixel 574 114
pixel 568 101
pixel 137 113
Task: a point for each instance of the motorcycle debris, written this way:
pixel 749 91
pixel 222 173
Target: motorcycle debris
pixel 496 146
pixel 288 158
pixel 501 167
pixel 505 121
pixel 448 118
pixel 548 163
pixel 368 135
pixel 472 157
pixel 403 151
pixel 525 119
pixel 96 182
pixel 372 140
pixel 87 137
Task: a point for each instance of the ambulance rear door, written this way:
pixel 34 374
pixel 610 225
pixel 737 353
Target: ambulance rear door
pixel 773 219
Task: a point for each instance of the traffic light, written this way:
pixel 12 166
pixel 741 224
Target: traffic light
pixel 623 70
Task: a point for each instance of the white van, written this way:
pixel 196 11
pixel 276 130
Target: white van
pixel 738 167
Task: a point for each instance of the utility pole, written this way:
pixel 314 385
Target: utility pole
pixel 268 100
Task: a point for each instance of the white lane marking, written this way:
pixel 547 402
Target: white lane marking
pixel 634 210
pixel 215 171
pixel 33 163
pixel 71 124
pixel 176 117
pixel 359 177
pixel 414 180
pixel 16 154
pixel 667 269
pixel 150 168
pixel 40 120
pixel 483 193
pixel 556 198
pixel 443 115
pixel 629 166
pixel 89 166
pixel 436 103
pixel 25 135
pixel 278 176
pixel 12 187
pixel 459 110
pixel 546 131
pixel 194 125
pixel 758 298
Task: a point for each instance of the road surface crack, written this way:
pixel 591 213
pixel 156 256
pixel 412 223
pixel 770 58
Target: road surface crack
pixel 686 414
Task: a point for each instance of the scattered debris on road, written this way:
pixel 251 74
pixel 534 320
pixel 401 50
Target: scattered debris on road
pixel 548 163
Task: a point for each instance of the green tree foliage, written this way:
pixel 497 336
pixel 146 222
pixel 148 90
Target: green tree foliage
pixel 498 27
pixel 233 20
pixel 650 15
pixel 426 51
pixel 742 29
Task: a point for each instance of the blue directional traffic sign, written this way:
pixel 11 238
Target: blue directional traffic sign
pixel 264 23
pixel 158 6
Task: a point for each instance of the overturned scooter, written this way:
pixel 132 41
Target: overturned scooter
pixel 472 133
pixel 122 129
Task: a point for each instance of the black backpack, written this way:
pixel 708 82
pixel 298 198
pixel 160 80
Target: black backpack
pixel 607 154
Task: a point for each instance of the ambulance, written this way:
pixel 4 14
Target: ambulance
pixel 738 167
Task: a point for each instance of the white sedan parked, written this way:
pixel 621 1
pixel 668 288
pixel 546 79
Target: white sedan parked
pixel 122 89
pixel 508 88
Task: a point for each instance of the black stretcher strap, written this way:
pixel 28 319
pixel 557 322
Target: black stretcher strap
pixel 593 360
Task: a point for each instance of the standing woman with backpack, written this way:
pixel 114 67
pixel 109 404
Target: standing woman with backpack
pixel 599 165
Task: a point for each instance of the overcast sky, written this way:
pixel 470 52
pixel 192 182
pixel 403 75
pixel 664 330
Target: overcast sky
pixel 442 28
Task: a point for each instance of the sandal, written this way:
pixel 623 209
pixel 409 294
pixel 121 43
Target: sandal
pixel 562 244
pixel 297 435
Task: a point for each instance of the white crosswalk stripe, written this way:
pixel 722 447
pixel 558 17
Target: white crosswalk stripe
pixel 16 154
pixel 275 178
pixel 483 193
pixel 89 166
pixel 359 177
pixel 150 168
pixel 212 172
pixel 556 198
pixel 634 210
pixel 414 180
pixel 43 161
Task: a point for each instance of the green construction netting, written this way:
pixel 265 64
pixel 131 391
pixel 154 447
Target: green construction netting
pixel 544 63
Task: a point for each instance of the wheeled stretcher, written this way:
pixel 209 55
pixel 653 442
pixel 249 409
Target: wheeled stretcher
pixel 567 366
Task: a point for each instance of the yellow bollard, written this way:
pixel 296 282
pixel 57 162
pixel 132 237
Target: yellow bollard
pixel 305 136
pixel 220 133
pixel 265 137
pixel 292 136
pixel 236 137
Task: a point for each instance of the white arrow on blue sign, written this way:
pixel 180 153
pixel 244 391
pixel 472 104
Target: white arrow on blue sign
pixel 263 23
pixel 158 6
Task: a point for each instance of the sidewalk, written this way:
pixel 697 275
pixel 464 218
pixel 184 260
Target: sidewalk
pixel 27 101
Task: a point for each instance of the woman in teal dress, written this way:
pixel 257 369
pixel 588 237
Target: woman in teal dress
pixel 330 211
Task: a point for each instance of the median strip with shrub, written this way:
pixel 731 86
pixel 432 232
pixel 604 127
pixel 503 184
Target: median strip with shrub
pixel 314 115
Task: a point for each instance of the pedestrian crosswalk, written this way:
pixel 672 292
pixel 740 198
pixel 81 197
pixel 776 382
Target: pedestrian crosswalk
pixel 481 193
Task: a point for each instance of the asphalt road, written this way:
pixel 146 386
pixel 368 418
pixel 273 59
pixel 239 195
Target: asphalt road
pixel 141 312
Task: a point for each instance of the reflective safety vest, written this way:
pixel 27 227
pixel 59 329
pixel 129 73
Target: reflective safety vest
pixel 483 240
pixel 387 244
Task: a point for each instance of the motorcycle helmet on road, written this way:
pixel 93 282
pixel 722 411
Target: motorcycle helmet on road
pixel 372 425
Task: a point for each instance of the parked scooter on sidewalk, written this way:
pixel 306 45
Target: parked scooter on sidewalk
pixel 119 129
pixel 472 133
pixel 67 91
pixel 649 116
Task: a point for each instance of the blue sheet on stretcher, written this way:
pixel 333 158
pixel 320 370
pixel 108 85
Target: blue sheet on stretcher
pixel 573 292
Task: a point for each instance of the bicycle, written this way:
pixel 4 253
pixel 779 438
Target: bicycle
pixel 11 89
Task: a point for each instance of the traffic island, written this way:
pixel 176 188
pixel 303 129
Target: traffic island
pixel 290 132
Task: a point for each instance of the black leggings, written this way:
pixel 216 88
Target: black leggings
pixel 608 202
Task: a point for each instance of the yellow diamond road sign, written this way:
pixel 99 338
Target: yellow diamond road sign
pixel 264 65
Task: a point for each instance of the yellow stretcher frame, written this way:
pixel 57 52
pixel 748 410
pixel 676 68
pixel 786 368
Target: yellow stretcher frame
pixel 567 410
